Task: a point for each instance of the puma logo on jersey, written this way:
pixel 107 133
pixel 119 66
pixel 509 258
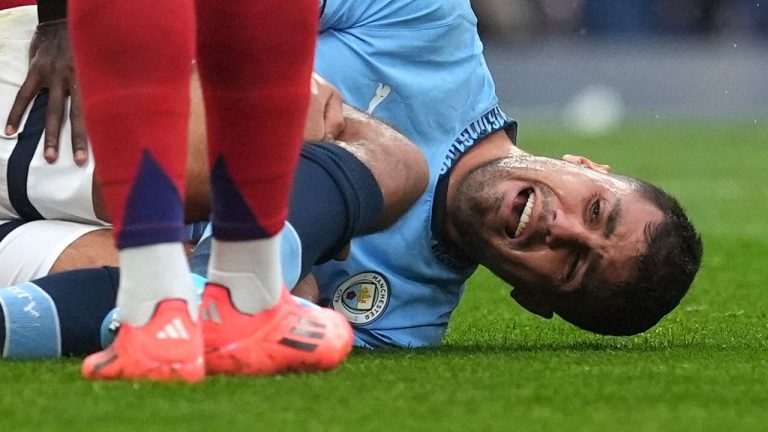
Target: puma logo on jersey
pixel 382 91
pixel 173 330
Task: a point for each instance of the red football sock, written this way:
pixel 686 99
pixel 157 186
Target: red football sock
pixel 255 60
pixel 133 61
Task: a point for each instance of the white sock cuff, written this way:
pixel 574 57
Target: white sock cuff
pixel 151 274
pixel 250 270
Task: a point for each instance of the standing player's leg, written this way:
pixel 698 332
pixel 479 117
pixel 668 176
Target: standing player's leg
pixel 133 61
pixel 255 61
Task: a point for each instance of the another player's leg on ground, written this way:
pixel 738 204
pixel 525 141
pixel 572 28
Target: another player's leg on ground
pixel 255 61
pixel 133 61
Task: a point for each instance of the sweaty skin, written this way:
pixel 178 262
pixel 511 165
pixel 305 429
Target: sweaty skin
pixel 584 223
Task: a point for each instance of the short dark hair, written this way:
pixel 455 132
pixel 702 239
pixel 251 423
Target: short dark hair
pixel 661 279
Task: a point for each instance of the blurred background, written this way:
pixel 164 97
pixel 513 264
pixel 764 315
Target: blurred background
pixel 596 63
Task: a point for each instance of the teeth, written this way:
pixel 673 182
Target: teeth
pixel 526 214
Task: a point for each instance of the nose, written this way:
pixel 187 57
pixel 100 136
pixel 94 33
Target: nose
pixel 566 229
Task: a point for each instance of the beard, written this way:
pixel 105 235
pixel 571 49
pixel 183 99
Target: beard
pixel 478 198
pixel 475 198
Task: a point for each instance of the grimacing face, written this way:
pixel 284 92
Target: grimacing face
pixel 548 224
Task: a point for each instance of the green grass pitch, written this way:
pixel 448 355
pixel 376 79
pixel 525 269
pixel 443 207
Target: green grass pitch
pixel 705 368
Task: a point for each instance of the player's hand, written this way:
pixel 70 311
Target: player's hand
pixel 307 289
pixel 51 67
pixel 324 118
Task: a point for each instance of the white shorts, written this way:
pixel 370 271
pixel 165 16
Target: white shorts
pixel 29 251
pixel 30 187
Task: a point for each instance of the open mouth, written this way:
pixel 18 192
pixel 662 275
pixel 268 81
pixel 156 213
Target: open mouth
pixel 522 208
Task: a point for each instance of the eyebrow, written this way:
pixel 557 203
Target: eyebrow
pixel 614 216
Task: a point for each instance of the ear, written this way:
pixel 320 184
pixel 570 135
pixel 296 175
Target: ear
pixel 586 163
pixel 535 303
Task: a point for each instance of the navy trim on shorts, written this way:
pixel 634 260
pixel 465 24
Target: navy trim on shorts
pixel 9 226
pixel 21 158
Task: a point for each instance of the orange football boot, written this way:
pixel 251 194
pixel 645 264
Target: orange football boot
pixel 168 348
pixel 287 337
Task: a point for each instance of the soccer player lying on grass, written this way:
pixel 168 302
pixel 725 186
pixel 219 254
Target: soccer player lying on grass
pixel 608 253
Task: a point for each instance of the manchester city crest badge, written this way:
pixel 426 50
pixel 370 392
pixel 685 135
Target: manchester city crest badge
pixel 362 298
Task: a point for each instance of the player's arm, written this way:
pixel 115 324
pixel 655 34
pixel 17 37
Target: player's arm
pixel 397 164
pixel 334 201
pixel 364 181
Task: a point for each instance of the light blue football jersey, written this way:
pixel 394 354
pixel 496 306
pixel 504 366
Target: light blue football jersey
pixel 418 66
